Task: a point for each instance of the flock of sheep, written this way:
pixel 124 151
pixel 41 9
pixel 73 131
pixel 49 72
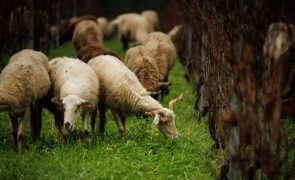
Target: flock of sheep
pixel 97 80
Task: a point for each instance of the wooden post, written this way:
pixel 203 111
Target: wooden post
pixel 31 25
pixel 57 38
pixel 74 8
pixel 234 141
pixel 204 44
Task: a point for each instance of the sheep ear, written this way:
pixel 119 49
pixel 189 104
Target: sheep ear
pixel 150 113
pixel 164 84
pixel 56 100
pixel 155 112
pixel 156 120
pixel 86 104
pixel 153 93
pixel 172 102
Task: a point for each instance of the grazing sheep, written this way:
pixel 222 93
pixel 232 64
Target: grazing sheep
pixel 162 49
pixel 23 82
pixel 130 27
pixel 90 51
pixel 87 32
pixel 103 24
pixel 139 61
pixel 67 27
pixel 123 94
pixel 152 18
pixel 75 88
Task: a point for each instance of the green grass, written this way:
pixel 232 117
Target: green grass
pixel 142 154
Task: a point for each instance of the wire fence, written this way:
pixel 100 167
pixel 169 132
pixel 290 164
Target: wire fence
pixel 243 90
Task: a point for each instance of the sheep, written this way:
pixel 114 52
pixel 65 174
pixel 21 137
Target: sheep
pixel 152 18
pixel 124 94
pixel 279 54
pixel 139 61
pixel 90 51
pixel 23 82
pixel 74 91
pixel 87 32
pixel 130 27
pixel 67 27
pixel 103 24
pixel 162 49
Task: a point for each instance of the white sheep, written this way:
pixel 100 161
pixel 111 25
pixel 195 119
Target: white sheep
pixel 23 81
pixel 130 27
pixel 139 61
pixel 152 18
pixel 75 88
pixel 85 33
pixel 103 24
pixel 123 93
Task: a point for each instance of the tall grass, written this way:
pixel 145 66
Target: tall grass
pixel 143 153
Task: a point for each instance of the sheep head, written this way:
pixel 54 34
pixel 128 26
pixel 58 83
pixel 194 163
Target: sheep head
pixel 165 119
pixel 73 106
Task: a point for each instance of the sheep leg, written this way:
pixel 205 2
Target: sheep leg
pixel 58 118
pixel 14 125
pixel 102 118
pixel 164 89
pixel 119 122
pixel 123 119
pixel 84 124
pixel 21 129
pixel 93 117
pixel 124 41
pixel 36 121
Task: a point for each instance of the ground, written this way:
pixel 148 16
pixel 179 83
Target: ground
pixel 142 154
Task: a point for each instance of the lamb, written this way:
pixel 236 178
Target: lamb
pixel 23 82
pixel 87 32
pixel 130 27
pixel 162 49
pixel 75 90
pixel 152 18
pixel 139 61
pixel 124 94
pixel 103 24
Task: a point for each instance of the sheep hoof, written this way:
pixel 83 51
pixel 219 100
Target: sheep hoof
pixel 122 132
pixel 86 134
pixel 20 143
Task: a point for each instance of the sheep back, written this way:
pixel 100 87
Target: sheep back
pixel 24 80
pixel 90 51
pixel 153 19
pixel 139 61
pixel 73 77
pixel 120 87
pixel 87 32
pixel 162 49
